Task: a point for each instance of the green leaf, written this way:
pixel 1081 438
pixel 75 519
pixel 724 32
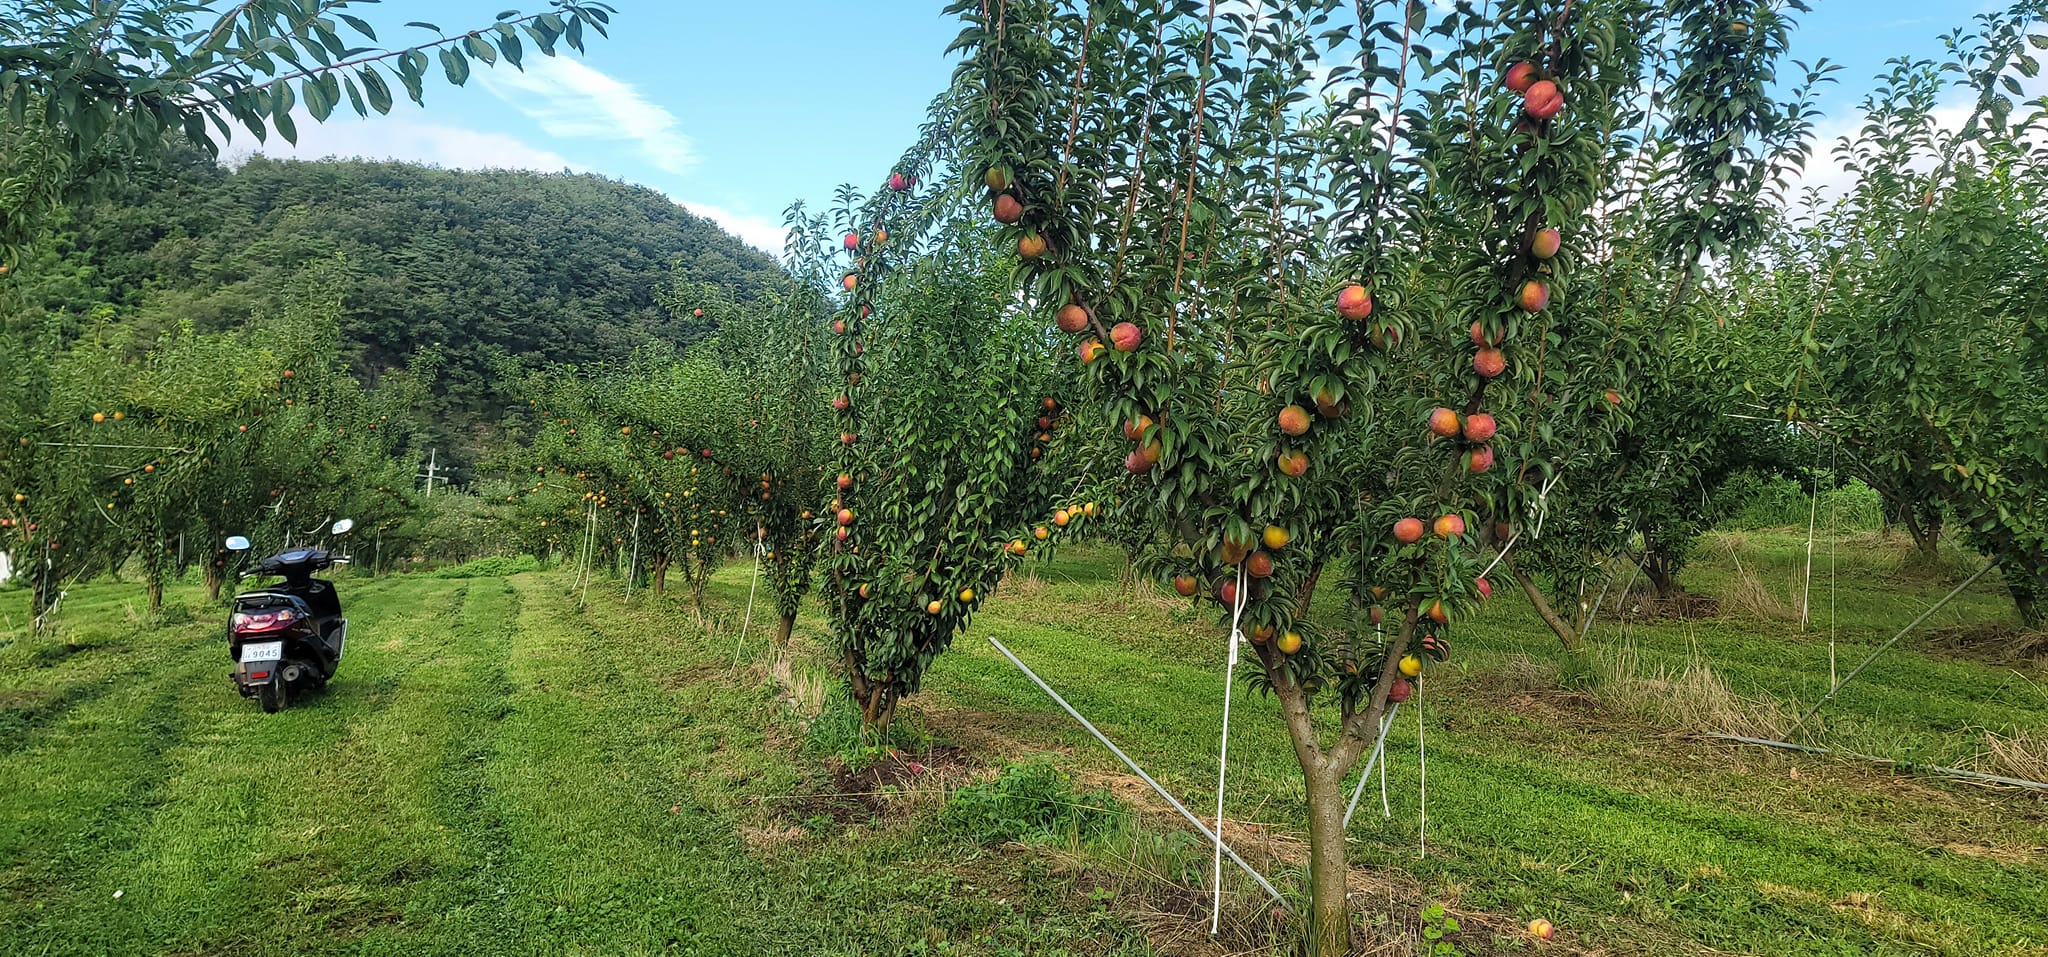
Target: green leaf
pixel 481 50
pixel 455 65
pixel 375 88
pixel 359 25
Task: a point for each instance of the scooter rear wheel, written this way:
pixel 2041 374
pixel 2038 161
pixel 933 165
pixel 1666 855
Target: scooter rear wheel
pixel 271 695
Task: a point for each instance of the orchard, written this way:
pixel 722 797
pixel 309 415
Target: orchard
pixel 1202 388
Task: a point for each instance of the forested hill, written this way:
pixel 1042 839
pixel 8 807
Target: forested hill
pixel 538 266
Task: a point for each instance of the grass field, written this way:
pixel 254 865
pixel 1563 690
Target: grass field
pixel 497 772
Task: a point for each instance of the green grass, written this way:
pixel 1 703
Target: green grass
pixel 496 772
pixel 490 773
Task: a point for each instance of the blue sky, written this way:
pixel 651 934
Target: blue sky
pixel 736 109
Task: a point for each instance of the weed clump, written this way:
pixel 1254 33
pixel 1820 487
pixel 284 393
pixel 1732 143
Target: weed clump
pixel 1032 803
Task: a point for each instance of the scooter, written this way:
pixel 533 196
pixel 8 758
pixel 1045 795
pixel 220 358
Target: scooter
pixel 287 640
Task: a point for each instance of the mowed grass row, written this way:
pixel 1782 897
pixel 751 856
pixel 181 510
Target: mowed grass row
pixel 495 771
pixel 491 772
pixel 1544 802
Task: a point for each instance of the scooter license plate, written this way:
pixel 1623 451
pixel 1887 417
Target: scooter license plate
pixel 262 651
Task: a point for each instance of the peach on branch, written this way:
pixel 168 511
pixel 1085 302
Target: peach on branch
pixel 1480 426
pixel 1126 336
pixel 1521 76
pixel 1008 210
pixel 1479 460
pixel 1546 243
pixel 1090 350
pixel 1294 420
pixel 1450 525
pixel 1354 302
pixel 1136 428
pixel 1072 318
pixel 1289 643
pixel 1443 422
pixel 1489 362
pixel 1293 463
pixel 1031 246
pixel 1543 100
pixel 1408 531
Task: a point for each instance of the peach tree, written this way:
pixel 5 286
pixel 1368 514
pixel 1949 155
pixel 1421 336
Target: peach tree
pixel 1320 260
pixel 1908 313
pixel 947 409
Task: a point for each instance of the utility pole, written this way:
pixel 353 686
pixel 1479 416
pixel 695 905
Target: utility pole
pixel 433 456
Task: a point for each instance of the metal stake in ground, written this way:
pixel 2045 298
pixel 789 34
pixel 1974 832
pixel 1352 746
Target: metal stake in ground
pixel 1830 696
pixel 1135 769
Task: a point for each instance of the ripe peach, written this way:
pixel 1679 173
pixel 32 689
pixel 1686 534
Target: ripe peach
pixel 1328 405
pixel 1489 362
pixel 1090 350
pixel 850 281
pixel 1353 302
pixel 1031 246
pixel 1061 518
pixel 1041 533
pixel 1450 525
pixel 1612 397
pixel 1072 318
pixel 852 241
pixel 1227 592
pixel 1479 460
pixel 1533 296
pixel 934 606
pixel 1546 243
pixel 841 402
pixel 839 327
pixel 1294 420
pixel 1542 929
pixel 1125 336
pixel 1289 643
pixel 1480 426
pixel 1008 210
pixel 845 516
pixel 1443 422
pixel 1137 463
pixel 845 481
pixel 1185 585
pixel 1275 537
pixel 1376 614
pixel 1481 336
pixel 1262 634
pixel 1293 463
pixel 1136 428
pixel 1400 691
pixel 900 182
pixel 1017 547
pixel 1543 100
pixel 1259 565
pixel 997 178
pixel 1408 531
pixel 1484 587
pixel 1521 76
pixel 1232 552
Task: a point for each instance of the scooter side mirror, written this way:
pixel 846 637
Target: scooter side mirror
pixel 342 527
pixel 237 543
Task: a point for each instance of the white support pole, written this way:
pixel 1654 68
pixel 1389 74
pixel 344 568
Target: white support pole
pixel 633 568
pixel 1135 769
pixel 749 619
pixel 1806 591
pixel 1223 751
pixel 1386 724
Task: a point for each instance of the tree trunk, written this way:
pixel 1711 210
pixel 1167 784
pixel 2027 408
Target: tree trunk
pixel 1661 576
pixel 1926 536
pixel 784 628
pixel 1566 634
pixel 660 576
pixel 2026 585
pixel 156 593
pixel 216 575
pixel 1329 932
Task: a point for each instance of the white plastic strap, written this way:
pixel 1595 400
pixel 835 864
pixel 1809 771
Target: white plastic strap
pixel 1223 750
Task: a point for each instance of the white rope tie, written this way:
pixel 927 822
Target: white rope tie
pixel 749 619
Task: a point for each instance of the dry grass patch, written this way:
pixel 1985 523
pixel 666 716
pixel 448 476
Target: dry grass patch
pixel 1693 698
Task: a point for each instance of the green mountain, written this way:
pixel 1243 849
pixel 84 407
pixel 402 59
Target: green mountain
pixel 489 266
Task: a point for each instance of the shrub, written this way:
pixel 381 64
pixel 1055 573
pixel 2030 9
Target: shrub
pixel 1030 802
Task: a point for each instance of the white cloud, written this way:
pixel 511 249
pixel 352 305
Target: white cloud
pixel 406 135
pixel 573 101
pixel 759 232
